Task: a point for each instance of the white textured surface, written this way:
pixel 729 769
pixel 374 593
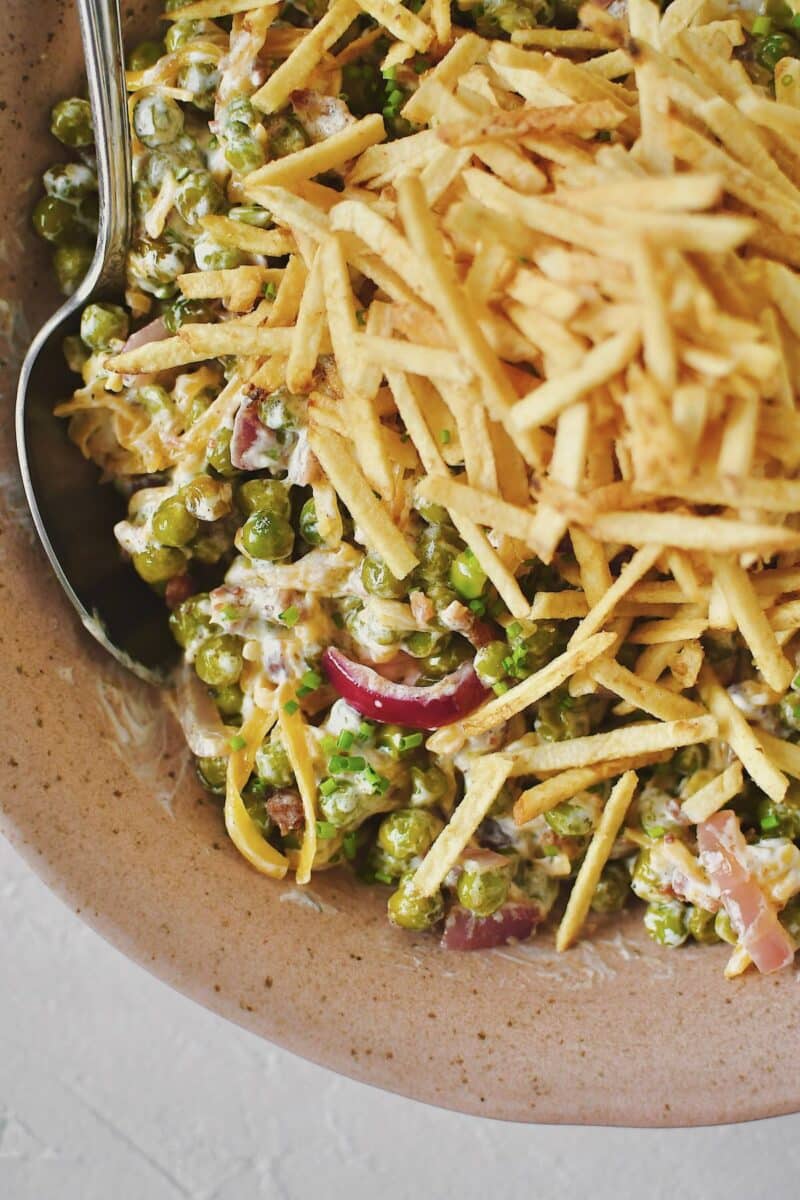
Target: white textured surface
pixel 113 1087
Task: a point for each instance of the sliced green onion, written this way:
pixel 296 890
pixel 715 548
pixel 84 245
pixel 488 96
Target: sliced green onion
pixel 325 831
pixel 762 26
pixel 291 707
pixel 345 739
pixel 350 845
pixel 327 786
pixel 237 742
pixel 500 688
pixel 410 741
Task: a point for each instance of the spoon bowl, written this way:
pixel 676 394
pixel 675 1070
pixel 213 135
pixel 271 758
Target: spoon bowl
pixel 73 516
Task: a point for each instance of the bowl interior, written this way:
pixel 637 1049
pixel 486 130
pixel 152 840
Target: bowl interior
pixel 97 793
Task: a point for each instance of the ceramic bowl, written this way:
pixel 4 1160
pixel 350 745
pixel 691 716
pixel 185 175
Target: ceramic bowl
pixel 97 794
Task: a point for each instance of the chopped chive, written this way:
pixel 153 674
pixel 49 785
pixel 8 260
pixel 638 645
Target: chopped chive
pixel 356 763
pixel 291 707
pixel 769 821
pixel 237 742
pixel 365 731
pixel 380 783
pixel 478 607
pixel 329 743
pixel 338 763
pixel 389 73
pixel 499 688
pixel 327 786
pixel 290 616
pixel 762 26
pixel 444 436
pixel 325 831
pixel 410 741
pixel 657 831
pixel 382 878
pixel 311 680
pixel 230 613
pixel 270 290
pixel 508 663
pixel 514 629
pixel 345 739
pixel 350 845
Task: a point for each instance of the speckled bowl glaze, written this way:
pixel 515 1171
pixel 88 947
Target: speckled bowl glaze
pixel 97 795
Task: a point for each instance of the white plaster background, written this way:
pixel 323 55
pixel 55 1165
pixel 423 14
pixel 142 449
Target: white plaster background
pixel 113 1087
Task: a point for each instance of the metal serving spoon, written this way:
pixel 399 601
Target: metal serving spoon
pixel 73 515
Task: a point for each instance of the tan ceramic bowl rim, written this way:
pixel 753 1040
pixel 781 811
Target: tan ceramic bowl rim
pixel 95 794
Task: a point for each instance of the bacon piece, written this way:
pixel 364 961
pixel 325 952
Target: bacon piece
pixel 178 589
pixel 253 445
pixel 723 854
pixel 513 922
pixel 321 116
pixel 286 810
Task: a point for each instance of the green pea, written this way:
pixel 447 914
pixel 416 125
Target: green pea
pixel 70 264
pixel 202 80
pixel 690 759
pixel 789 917
pixel 789 709
pixel 645 880
pixel 408 832
pixel 228 699
pixel 666 923
pixel 219 660
pixel 157 564
pixel 264 495
pixel 184 31
pixel 483 892
pixel 560 716
pixel 309 530
pixel 103 324
pixel 779 819
pixel 573 818
pixel 536 885
pixel 210 548
pixel 145 55
pixel 71 123
pixel 773 48
pixel 211 256
pixel 409 910
pixel 71 182
pixel 429 786
pixel 75 353
pixel 434 514
pixel 218 454
pixel 723 927
pixel 379 580
pixel 272 764
pixel 182 311
pixel 243 152
pixel 383 867
pixel 533 644
pixel 206 498
pixel 55 221
pixel 612 888
pixel 155 264
pixel 344 805
pixel 173 158
pixel 212 773
pixel 173 524
pixel 489 663
pixel 436 551
pixel 450 653
pixel 467 576
pixel 267 535
pixel 157 119
pixel 700 925
pixel 240 111
pixel 198 195
pixel 283 409
pixel 190 620
pixel 285 135
pixel 154 399
pixel 251 214
pixel 659 813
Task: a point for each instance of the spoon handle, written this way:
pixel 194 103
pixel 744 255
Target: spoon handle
pixel 101 30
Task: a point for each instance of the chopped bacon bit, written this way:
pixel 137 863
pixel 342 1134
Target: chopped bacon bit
pixel 286 810
pixel 321 116
pixel 422 608
pixel 178 589
pixel 723 854
pixel 253 446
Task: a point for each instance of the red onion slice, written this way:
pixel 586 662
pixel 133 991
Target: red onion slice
pixel 513 922
pixel 399 703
